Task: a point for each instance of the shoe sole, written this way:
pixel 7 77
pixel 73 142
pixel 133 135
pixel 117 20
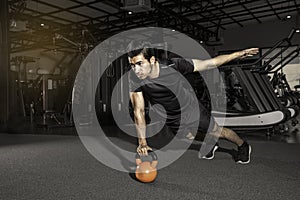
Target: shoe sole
pixel 213 154
pixel 245 162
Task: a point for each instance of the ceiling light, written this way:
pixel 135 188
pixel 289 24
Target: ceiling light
pixel 297 30
pixel 129 12
pixel 201 41
pixel 288 16
pixel 42 24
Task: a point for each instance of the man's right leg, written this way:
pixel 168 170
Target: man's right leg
pixel 208 125
pixel 244 149
pixel 222 132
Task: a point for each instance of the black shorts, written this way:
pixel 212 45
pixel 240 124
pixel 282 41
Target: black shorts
pixel 204 125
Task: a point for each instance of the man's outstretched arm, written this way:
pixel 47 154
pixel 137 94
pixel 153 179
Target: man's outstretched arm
pixel 201 65
pixel 138 104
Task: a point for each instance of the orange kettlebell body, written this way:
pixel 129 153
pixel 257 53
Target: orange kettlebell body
pixel 146 171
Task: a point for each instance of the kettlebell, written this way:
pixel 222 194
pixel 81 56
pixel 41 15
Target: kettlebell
pixel 146 171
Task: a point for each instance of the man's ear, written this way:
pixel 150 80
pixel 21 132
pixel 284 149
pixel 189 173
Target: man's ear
pixel 152 60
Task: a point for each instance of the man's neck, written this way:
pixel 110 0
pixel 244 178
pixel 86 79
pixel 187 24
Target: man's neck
pixel 155 71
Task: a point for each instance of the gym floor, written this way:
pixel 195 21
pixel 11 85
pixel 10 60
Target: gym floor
pixel 54 164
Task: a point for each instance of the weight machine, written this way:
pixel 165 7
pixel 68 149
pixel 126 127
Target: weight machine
pixel 53 84
pixel 19 66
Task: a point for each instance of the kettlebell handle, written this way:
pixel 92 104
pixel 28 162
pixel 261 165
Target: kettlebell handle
pixel 150 153
pixel 153 155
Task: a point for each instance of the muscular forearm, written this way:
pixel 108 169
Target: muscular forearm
pixel 140 124
pixel 223 59
pixel 138 104
pixel 201 65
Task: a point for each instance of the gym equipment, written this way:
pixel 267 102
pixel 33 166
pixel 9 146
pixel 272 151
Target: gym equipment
pixel 47 93
pixel 288 98
pixel 19 65
pixel 255 104
pixel 56 90
pixel 54 100
pixel 259 106
pixel 146 171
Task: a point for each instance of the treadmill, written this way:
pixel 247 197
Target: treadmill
pixel 264 108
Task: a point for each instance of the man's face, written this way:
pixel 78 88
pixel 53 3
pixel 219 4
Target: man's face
pixel 140 65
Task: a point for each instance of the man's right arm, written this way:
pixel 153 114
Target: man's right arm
pixel 138 104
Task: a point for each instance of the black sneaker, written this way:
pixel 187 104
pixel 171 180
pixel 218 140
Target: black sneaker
pixel 210 154
pixel 244 151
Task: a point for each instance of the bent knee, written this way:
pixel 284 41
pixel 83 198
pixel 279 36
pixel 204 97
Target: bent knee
pixel 216 131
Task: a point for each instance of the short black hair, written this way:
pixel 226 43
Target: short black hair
pixel 137 47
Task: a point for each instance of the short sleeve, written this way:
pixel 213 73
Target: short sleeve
pixel 184 66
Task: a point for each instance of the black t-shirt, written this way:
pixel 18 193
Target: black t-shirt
pixel 170 90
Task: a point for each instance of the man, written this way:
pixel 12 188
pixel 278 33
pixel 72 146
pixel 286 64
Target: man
pixel 158 82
